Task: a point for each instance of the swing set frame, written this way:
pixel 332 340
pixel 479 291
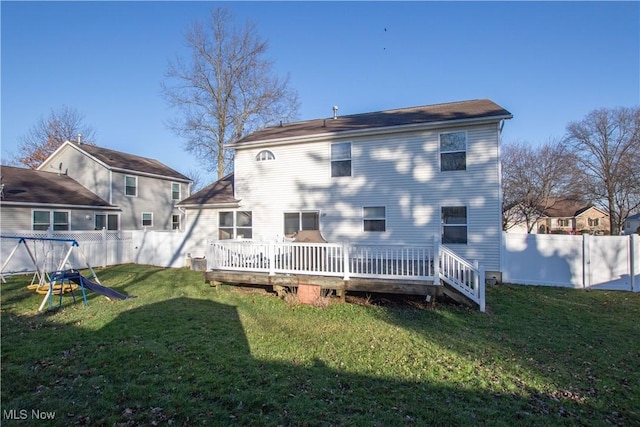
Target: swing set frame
pixel 44 276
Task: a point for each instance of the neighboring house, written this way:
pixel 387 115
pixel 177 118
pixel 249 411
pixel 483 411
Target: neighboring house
pixel 398 176
pixel 146 190
pixel 38 200
pixel 632 224
pixel 560 216
pixel 568 217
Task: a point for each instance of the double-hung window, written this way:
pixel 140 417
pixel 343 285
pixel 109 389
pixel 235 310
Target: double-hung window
pixel 341 159
pixel 130 185
pixel 374 218
pixel 57 220
pixel 175 222
pixel 235 225
pixel 175 191
pixel 147 219
pixel 296 221
pixel 454 224
pixel 453 151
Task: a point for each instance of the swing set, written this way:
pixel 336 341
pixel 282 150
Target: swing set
pixel 47 281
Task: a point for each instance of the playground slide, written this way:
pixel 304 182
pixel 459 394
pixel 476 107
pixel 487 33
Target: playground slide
pixel 102 290
pixel 80 280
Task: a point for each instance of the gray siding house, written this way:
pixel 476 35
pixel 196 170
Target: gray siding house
pixel 38 200
pixel 398 176
pixel 145 190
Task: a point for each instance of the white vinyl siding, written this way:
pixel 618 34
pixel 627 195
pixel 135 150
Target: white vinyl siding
pixel 398 171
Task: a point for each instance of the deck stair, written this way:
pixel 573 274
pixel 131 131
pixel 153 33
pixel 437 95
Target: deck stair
pixel 401 269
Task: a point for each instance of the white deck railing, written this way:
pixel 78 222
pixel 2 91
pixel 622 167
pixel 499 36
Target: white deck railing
pixel 344 260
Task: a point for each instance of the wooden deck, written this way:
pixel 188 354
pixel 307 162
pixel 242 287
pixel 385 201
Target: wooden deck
pixel 281 282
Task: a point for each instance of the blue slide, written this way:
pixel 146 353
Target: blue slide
pixel 75 277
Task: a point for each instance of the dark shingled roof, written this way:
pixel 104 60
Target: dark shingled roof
pixel 474 109
pixel 219 192
pixel 31 186
pixel 119 160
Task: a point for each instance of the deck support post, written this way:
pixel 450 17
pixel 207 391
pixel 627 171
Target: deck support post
pixel 481 285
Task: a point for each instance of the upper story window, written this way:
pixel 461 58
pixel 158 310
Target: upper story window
pixel 42 220
pixel 296 221
pixel 454 224
pixel 341 159
pixel 235 225
pixel 175 191
pixel 265 155
pixel 594 222
pixel 453 151
pixel 130 185
pixel 375 218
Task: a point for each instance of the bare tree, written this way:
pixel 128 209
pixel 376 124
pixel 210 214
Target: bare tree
pixel 226 90
pixel 49 133
pixel 535 179
pixel 607 143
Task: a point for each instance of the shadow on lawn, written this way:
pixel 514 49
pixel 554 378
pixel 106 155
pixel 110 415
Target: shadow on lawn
pixel 187 361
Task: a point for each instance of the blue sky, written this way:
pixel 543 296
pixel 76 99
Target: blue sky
pixel 549 63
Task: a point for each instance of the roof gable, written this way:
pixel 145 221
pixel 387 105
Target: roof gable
pixel 22 185
pixel 113 159
pixel 427 114
pixel 220 192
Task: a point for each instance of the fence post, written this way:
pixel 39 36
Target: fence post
pixel 271 253
pixel 586 261
pixel 633 267
pixel 105 247
pixel 345 261
pixel 482 284
pixel 436 258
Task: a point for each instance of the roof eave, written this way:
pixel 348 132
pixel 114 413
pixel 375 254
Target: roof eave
pixel 57 205
pixel 370 131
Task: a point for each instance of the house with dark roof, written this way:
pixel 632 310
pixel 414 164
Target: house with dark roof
pixel 562 216
pixel 398 176
pixel 145 190
pixel 632 224
pixel 39 200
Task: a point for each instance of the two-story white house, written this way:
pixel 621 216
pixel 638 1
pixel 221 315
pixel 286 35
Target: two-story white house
pixel 145 190
pixel 398 176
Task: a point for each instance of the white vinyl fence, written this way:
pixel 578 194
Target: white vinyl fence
pixel 585 262
pixel 597 262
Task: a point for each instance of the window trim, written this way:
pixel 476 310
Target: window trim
pixel 142 219
pixel 372 219
pixel 441 152
pixel 179 191
pixel 334 160
pixel 235 226
pixel 265 156
pixel 126 186
pixel 106 220
pixel 179 222
pixel 465 225
pixel 300 222
pixel 51 224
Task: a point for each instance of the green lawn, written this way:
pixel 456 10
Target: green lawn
pixel 182 353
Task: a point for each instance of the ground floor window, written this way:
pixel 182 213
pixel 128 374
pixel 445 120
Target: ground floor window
pixel 374 218
pixel 108 221
pixel 57 220
pixel 296 221
pixel 147 219
pixel 175 222
pixel 235 225
pixel 454 224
